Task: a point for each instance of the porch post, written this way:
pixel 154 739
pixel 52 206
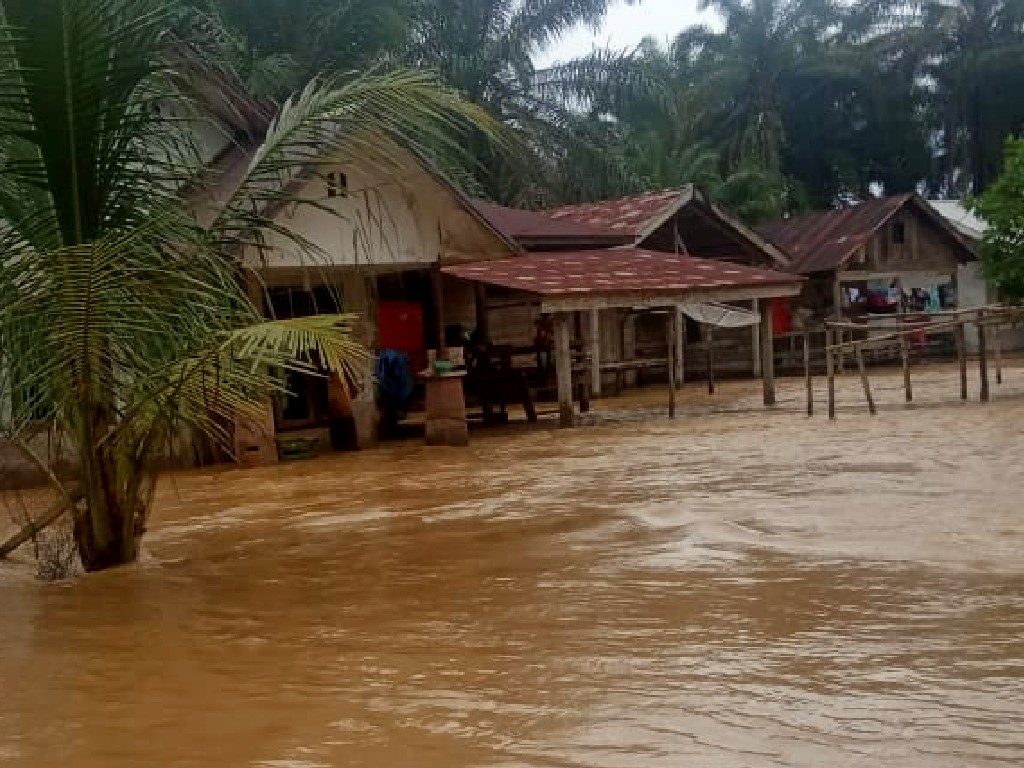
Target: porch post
pixel 680 342
pixel 671 318
pixel 755 343
pixel 767 352
pixel 595 352
pixel 563 369
pixel 483 325
pixel 438 291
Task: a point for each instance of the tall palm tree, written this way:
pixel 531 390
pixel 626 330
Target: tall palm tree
pixel 122 316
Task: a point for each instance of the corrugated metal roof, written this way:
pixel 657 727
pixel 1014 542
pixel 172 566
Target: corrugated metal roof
pixel 539 227
pixel 628 215
pixel 822 242
pixel 616 271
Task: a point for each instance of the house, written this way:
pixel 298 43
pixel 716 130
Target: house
pixel 678 221
pixel 874 257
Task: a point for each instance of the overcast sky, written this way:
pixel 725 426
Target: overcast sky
pixel 626 26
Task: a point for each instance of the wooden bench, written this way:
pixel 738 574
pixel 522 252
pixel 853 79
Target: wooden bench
pixel 621 367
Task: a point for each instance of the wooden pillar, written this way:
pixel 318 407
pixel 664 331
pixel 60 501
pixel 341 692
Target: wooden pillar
pixel 960 334
pixel 438 291
pixel 767 346
pixel 563 368
pixel 483 322
pixel 837 334
pixel 983 357
pixel 595 352
pixel 908 388
pixel 709 337
pixel 680 342
pixel 807 373
pixel 997 352
pixel 755 340
pixel 671 318
pixel 830 373
pixel 864 381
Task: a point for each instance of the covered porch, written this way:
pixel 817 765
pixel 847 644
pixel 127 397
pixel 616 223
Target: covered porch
pixel 580 291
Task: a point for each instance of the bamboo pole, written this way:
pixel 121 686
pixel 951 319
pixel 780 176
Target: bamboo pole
pixel 908 388
pixel 670 335
pixel 864 382
pixel 807 373
pixel 831 373
pixel 961 352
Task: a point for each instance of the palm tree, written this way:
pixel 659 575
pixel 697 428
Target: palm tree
pixel 122 317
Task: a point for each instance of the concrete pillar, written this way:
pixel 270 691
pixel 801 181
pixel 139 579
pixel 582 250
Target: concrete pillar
pixel 563 368
pixel 595 352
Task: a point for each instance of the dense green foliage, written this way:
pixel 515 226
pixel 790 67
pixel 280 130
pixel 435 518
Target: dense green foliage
pixel 1002 207
pixel 783 105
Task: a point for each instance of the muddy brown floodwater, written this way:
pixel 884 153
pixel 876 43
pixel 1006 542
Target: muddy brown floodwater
pixel 743 589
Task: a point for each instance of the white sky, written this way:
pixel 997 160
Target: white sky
pixel 625 26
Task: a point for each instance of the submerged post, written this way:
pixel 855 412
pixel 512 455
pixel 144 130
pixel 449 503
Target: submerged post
pixel 563 370
pixel 711 360
pixel 830 372
pixel 767 353
pixel 864 380
pixel 670 335
pixel 983 357
pixel 905 353
pixel 960 336
pixel 595 353
pixel 807 373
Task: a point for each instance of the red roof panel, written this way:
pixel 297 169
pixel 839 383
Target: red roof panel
pixel 616 271
pixel 627 215
pixel 525 226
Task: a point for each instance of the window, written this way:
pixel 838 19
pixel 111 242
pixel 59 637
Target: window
pixel 899 233
pixel 337 184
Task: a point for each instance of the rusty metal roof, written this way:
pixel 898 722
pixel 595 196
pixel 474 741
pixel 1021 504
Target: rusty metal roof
pixel 539 228
pixel 822 242
pixel 634 216
pixel 616 271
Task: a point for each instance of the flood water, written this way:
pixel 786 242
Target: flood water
pixel 740 589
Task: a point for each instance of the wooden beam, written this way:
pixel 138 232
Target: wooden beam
pixel 767 346
pixel 483 321
pixel 595 352
pixel 710 341
pixel 552 304
pixel 997 352
pixel 671 318
pixel 52 514
pixel 830 373
pixel 563 369
pixel 438 291
pixel 807 373
pixel 864 382
pixel 837 300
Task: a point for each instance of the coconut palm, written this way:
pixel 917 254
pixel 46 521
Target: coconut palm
pixel 122 316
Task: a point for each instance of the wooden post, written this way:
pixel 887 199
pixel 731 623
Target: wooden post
pixel 983 356
pixel 483 323
pixel 767 352
pixel 830 373
pixel 807 373
pixel 960 334
pixel 756 342
pixel 595 353
pixel 680 341
pixel 837 334
pixel 864 380
pixel 438 290
pixel 905 353
pixel 711 359
pixel 563 369
pixel 997 351
pixel 670 335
